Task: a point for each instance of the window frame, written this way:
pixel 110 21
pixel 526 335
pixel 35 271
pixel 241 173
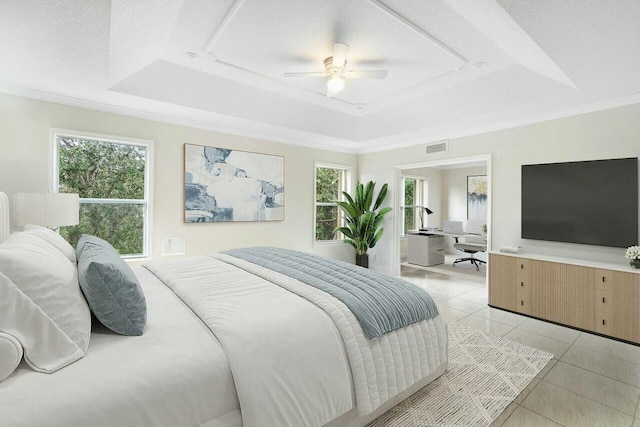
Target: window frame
pixel 348 187
pixel 147 202
pixel 419 197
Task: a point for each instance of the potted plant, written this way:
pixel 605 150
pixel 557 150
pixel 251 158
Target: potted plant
pixel 363 219
pixel 633 255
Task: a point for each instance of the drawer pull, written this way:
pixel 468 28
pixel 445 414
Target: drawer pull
pixel 602 279
pixel 521 266
pixel 521 283
pixel 603 300
pixel 521 302
pixel 603 321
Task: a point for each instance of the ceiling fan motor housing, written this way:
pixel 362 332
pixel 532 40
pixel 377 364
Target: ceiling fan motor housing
pixel 331 69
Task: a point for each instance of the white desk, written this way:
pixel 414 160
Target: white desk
pixel 456 236
pixel 425 249
pixel 468 247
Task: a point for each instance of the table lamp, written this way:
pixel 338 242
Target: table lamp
pixel 422 210
pixel 51 210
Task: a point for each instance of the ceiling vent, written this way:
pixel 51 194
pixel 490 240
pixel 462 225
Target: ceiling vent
pixel 438 147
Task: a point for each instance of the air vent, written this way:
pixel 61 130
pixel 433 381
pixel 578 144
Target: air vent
pixel 438 147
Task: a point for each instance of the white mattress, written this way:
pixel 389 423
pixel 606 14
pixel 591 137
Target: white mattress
pixel 176 374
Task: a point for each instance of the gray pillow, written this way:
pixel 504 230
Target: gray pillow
pixel 110 286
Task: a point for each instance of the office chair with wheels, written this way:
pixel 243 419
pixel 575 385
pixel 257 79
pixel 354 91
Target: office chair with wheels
pixel 471 245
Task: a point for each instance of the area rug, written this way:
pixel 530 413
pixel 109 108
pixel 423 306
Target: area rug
pixel 485 374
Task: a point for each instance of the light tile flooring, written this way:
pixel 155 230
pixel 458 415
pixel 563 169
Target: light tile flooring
pixel 592 381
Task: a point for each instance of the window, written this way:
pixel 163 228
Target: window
pixel 112 179
pixel 331 181
pixel 414 190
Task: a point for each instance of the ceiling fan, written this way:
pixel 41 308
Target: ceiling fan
pixel 335 67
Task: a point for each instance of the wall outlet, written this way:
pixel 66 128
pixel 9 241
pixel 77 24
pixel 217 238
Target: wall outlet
pixel 173 246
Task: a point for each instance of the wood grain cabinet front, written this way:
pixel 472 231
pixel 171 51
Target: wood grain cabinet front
pixel 502 276
pixel 618 294
pixel 593 299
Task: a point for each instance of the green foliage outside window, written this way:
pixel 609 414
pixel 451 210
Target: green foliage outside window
pixel 105 170
pixel 327 191
pixel 409 200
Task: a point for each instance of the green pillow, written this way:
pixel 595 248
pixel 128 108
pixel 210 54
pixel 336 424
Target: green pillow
pixel 110 286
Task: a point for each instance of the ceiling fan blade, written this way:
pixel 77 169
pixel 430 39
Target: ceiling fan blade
pixel 340 54
pixel 368 74
pixel 304 74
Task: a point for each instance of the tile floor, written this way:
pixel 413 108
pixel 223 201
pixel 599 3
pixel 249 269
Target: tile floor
pixel 592 381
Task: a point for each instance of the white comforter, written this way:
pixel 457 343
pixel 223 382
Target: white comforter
pixel 295 360
pixel 175 375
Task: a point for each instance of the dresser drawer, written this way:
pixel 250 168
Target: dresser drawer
pixel 604 301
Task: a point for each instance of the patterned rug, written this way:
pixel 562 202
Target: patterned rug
pixel 485 374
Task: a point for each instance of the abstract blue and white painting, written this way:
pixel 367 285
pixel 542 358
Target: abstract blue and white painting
pixel 222 185
pixel 477 197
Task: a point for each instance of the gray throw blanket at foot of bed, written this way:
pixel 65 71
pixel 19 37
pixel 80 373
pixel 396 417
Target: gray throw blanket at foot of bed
pixel 380 303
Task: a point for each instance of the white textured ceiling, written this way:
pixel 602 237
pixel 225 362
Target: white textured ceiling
pixel 455 66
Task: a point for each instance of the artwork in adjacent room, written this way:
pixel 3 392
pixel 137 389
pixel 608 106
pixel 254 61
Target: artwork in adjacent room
pixel 477 197
pixel 224 185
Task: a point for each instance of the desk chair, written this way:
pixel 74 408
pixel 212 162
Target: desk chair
pixel 471 245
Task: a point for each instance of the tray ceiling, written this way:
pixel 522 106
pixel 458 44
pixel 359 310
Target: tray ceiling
pixel 454 66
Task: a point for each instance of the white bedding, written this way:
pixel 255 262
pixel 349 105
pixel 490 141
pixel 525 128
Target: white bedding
pixel 286 355
pixel 381 367
pixel 295 360
pixel 176 374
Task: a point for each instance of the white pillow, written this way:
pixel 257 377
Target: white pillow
pixel 52 238
pixel 47 348
pixel 43 274
pixel 10 355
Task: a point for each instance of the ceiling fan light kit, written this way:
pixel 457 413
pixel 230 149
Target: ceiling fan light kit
pixel 335 83
pixel 336 69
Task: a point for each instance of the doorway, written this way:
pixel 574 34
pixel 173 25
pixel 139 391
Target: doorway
pixel 445 193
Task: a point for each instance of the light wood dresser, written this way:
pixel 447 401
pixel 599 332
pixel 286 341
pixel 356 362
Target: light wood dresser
pixel 595 297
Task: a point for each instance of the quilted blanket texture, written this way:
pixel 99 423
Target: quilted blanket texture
pixel 380 303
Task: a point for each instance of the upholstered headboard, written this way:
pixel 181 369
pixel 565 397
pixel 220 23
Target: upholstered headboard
pixel 4 216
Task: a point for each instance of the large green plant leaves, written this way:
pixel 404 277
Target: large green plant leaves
pixel 363 222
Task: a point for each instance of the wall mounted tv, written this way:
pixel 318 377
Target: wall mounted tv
pixel 590 202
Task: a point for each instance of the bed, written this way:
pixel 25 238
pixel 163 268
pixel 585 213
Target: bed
pixel 231 341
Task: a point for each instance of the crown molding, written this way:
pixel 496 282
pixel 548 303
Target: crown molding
pixel 213 122
pixel 251 129
pixel 411 139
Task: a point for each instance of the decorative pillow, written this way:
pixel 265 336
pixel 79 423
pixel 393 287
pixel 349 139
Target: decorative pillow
pixel 111 287
pixel 47 348
pixel 10 355
pixel 52 238
pixel 48 278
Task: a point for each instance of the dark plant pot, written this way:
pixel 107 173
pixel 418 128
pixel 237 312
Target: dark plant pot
pixel 635 263
pixel 362 260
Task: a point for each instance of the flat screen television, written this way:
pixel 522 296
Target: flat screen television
pixel 590 202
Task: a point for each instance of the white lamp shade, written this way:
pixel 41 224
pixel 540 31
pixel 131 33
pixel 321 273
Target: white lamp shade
pixel 46 209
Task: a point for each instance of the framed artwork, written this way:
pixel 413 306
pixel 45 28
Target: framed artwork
pixel 477 197
pixel 225 185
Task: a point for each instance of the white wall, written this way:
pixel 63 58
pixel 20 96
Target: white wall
pixel 25 165
pixel 613 133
